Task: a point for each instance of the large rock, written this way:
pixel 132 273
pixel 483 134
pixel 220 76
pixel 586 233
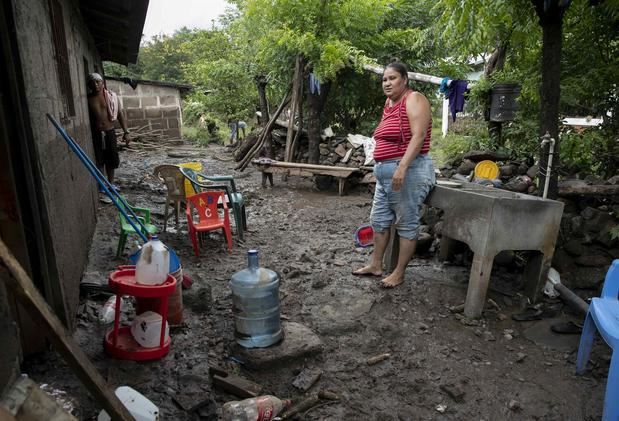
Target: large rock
pixel 593 260
pixel 574 247
pixel 466 167
pixel 595 219
pixel 477 156
pixel 584 277
pixel 299 342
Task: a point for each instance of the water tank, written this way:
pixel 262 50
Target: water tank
pixel 255 305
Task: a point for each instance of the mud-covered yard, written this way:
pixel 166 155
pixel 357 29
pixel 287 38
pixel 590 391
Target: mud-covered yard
pixel 441 365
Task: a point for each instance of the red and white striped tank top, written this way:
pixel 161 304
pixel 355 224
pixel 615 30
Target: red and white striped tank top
pixel 393 133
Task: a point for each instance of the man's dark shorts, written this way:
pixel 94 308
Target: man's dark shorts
pixel 106 151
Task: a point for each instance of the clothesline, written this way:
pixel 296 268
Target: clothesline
pixel 442 82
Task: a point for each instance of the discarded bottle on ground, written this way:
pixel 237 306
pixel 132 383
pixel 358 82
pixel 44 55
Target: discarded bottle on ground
pixel 153 265
pixel 255 304
pixel 261 408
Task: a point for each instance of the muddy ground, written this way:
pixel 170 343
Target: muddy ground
pixel 441 366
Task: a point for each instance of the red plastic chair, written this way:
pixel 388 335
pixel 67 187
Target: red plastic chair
pixel 208 217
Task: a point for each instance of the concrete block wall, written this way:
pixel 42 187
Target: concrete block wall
pixel 150 107
pixel 69 191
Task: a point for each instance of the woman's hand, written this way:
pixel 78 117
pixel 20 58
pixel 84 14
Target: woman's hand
pixel 398 178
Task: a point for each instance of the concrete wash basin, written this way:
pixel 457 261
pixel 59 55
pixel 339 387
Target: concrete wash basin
pixel 489 221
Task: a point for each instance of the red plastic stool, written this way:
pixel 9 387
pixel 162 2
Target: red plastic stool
pixel 119 342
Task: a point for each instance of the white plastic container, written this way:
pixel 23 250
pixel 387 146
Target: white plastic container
pixel 153 265
pixel 146 329
pixel 141 408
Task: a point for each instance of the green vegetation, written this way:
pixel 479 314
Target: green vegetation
pixel 258 41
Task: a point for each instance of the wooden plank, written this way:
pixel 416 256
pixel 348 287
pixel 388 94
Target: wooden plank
pixel 18 281
pixel 238 386
pixel 303 172
pixel 281 164
pixel 25 400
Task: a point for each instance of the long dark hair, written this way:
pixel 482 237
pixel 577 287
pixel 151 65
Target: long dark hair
pixel 399 67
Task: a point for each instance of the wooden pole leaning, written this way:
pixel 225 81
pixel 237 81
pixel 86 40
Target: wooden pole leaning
pixel 20 284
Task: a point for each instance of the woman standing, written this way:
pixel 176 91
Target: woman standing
pixel 403 170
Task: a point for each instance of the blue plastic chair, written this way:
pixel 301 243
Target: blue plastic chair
pixel 603 314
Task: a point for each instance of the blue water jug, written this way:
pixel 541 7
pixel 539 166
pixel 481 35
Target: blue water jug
pixel 255 305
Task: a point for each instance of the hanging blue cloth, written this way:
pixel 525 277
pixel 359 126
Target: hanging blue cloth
pixel 444 88
pixel 314 84
pixel 457 88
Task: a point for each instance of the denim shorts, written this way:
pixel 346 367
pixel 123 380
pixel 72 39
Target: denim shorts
pixel 401 208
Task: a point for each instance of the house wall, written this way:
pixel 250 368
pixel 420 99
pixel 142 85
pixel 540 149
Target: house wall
pixel 69 192
pixel 150 107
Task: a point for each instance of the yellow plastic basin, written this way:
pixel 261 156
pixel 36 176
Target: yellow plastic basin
pixel 488 170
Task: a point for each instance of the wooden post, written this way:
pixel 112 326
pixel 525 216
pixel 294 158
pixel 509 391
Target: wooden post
pixel 18 281
pixel 297 86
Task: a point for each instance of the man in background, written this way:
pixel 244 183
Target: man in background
pixel 104 110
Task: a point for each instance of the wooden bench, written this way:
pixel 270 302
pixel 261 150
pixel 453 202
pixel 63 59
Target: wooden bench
pixel 269 166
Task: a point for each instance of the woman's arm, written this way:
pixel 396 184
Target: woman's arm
pixel 418 112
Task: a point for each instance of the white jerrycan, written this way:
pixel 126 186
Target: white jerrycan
pixel 154 262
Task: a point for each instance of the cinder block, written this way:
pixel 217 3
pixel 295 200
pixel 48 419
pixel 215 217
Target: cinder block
pixel 149 101
pixel 136 124
pixel 134 113
pixel 158 124
pixel 153 113
pixel 131 102
pixel 172 133
pixel 167 100
pixel 170 112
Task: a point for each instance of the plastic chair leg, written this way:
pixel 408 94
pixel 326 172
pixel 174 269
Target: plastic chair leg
pixel 228 234
pixel 238 221
pixel 194 242
pixel 244 217
pixel 121 244
pixel 586 343
pixel 165 215
pixel 611 398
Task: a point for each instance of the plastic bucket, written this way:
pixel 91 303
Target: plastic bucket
pixel 487 170
pixel 503 104
pixel 196 166
pixel 364 236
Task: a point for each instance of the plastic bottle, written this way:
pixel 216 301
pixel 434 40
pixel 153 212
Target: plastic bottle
pixel 261 408
pixel 107 312
pixel 255 305
pixel 153 265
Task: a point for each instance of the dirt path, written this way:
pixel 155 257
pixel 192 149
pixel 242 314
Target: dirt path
pixel 441 366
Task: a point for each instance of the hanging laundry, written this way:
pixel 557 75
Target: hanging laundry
pixel 314 84
pixel 444 87
pixel 457 88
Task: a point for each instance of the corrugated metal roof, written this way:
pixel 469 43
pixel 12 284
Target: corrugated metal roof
pixel 116 26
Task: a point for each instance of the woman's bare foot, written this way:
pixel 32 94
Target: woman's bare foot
pixel 392 281
pixel 368 271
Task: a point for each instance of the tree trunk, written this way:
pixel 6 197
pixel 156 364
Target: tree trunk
pixel 549 98
pixel 496 62
pixel 261 84
pixel 297 97
pixel 550 13
pixel 315 103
